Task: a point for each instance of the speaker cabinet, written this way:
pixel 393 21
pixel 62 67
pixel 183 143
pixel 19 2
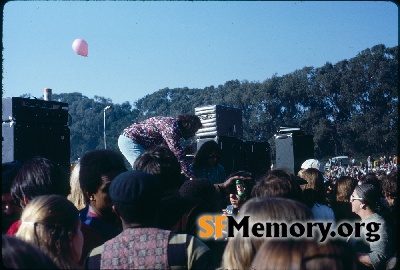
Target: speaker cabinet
pixel 220 120
pixel 34 111
pixel 232 153
pixel 258 156
pixel 292 151
pixel 23 141
pixel 238 155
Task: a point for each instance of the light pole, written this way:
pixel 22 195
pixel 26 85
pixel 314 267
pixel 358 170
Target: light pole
pixel 104 117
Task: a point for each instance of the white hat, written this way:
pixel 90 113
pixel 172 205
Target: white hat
pixel 312 163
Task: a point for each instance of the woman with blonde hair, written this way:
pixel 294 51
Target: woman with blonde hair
pixel 314 194
pixel 52 224
pixel 76 196
pixel 304 254
pixel 240 250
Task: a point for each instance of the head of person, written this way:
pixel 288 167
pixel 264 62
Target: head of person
pixel 202 189
pixel 314 191
pixel 312 163
pixel 304 254
pixel 11 210
pixel 39 176
pixel 52 224
pixel 208 155
pixel 97 170
pixel 189 124
pixel 344 188
pixel 162 162
pixel 19 254
pixel 389 188
pixel 136 196
pixel 370 178
pixel 277 183
pixel 365 197
pixel 240 251
pixel 76 196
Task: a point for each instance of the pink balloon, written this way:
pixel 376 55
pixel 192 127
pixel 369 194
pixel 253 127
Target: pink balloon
pixel 80 47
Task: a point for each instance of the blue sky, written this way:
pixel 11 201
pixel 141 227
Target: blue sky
pixel 137 48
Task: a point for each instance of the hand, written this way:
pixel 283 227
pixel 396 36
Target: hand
pixel 229 186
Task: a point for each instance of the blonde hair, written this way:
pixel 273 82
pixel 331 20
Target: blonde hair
pixel 314 191
pixel 76 196
pixel 344 188
pixel 240 251
pixel 304 254
pixel 46 223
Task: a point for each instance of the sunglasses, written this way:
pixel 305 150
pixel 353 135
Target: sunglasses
pixel 352 198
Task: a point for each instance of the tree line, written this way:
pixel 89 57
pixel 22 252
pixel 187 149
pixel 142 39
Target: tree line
pixel 349 107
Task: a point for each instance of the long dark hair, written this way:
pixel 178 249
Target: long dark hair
pixel 202 155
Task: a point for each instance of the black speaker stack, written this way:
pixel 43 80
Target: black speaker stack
pixel 224 125
pixel 33 127
pixel 293 147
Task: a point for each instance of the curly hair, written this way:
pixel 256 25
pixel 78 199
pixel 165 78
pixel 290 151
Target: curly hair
pixel 188 122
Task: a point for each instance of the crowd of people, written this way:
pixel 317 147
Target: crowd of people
pixel 106 216
pixel 379 167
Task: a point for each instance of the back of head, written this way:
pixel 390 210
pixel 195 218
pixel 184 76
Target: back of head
pixel 344 188
pixel 202 189
pixel 240 250
pixel 76 197
pixel 136 196
pixel 370 178
pixel 314 191
pixel 46 222
pixel 162 162
pixel 19 254
pixel 276 183
pixel 303 254
pixel 331 254
pixel 39 176
pixel 370 195
pixel 275 209
pixel 389 185
pixel 188 122
pixel 281 254
pixel 95 166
